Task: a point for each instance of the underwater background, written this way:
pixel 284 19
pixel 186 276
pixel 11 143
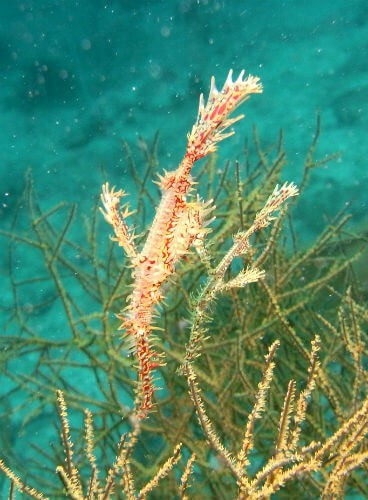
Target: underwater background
pixel 77 77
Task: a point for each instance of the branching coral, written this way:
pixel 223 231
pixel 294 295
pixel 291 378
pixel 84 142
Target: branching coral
pixel 256 436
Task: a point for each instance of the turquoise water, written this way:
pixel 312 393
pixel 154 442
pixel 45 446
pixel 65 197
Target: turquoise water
pixel 79 76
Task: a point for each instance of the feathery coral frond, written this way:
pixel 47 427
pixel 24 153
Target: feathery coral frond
pixel 161 473
pixel 70 475
pixel 259 406
pixel 32 492
pixel 184 482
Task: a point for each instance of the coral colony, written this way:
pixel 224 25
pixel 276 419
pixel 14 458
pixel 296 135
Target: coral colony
pixel 180 224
